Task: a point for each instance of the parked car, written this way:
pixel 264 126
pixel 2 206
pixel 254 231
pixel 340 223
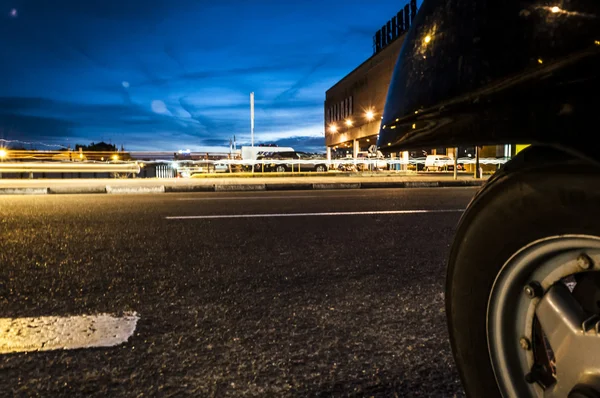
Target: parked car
pixel 300 161
pixel 441 163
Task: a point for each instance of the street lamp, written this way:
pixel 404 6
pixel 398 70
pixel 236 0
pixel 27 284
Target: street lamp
pixel 333 128
pixel 115 157
pixel 370 115
pixel 348 122
pixel 3 154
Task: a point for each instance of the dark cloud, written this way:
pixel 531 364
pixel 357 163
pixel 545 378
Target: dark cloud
pixel 77 117
pixel 216 141
pixel 147 10
pixel 307 144
pixel 291 92
pixel 155 81
pixel 16 126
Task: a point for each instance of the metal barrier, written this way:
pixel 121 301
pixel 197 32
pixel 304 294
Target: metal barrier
pixel 188 168
pixel 68 167
pixel 165 171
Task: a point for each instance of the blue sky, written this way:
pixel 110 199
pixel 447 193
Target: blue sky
pixel 169 75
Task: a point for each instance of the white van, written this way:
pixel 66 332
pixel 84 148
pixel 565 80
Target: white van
pixel 439 163
pixel 251 152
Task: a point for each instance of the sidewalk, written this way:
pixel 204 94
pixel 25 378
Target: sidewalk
pixel 230 184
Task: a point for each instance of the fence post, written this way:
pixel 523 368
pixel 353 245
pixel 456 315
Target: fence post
pixel 477 162
pixel 455 163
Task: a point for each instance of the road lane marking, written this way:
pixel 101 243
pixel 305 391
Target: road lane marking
pixel 341 213
pixel 48 333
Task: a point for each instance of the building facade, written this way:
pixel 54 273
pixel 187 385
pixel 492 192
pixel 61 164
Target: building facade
pixel 354 106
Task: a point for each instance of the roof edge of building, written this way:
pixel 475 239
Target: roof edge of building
pixel 363 63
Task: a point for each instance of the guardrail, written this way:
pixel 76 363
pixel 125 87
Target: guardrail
pixel 189 167
pixel 412 161
pixel 224 165
pixel 68 167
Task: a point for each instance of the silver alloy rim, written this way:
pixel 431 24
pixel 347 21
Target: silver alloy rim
pixel 530 289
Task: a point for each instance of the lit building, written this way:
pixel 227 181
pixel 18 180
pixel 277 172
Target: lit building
pixel 354 105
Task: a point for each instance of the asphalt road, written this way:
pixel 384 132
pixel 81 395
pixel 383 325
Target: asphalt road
pixel 312 305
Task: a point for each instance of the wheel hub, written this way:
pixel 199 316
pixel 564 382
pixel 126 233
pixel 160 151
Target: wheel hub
pixel 574 338
pixel 542 341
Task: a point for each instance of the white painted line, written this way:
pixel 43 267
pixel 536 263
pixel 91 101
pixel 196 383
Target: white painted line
pixel 341 213
pixel 65 333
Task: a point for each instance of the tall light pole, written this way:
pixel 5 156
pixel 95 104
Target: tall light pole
pixel 252 118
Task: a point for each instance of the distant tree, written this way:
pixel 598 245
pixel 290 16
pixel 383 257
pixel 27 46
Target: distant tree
pixel 99 147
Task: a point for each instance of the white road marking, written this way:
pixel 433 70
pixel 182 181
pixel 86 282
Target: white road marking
pixel 341 213
pixel 65 333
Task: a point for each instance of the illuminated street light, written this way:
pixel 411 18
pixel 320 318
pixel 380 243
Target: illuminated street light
pixel 3 154
pixel 555 9
pixel 115 157
pixel 333 128
pixel 370 115
pixel 348 122
pixel 427 39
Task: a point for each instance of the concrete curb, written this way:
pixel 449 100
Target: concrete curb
pixel 134 190
pixel 238 187
pixel 190 188
pixel 76 190
pixel 468 183
pixel 391 184
pixel 289 187
pixel 23 191
pixel 336 185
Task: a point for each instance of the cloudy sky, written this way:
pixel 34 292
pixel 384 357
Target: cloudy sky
pixel 176 74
